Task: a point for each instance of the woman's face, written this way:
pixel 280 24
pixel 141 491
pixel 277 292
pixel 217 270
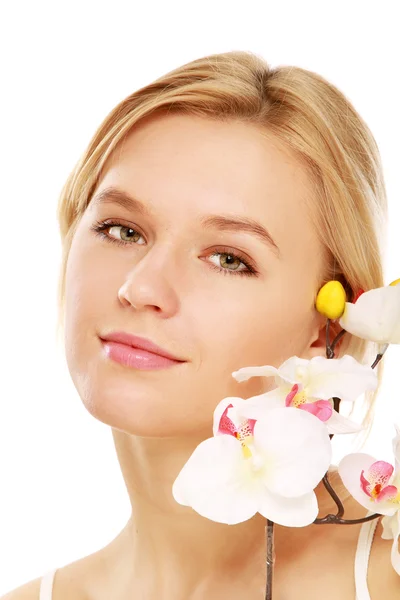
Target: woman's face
pixel 165 284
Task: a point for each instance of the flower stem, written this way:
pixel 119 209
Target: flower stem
pixel 379 355
pixel 330 346
pixel 269 530
pixel 337 519
pixel 270 558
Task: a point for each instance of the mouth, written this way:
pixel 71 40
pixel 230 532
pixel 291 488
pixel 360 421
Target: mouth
pixel 139 343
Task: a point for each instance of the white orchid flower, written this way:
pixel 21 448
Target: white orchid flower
pixel 310 385
pixel 270 466
pixel 375 316
pixel 376 486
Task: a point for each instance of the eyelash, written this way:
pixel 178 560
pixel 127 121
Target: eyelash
pixel 99 228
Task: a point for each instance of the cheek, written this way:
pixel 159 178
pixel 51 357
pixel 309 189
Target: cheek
pixel 86 304
pixel 254 331
pixel 81 286
pixel 89 281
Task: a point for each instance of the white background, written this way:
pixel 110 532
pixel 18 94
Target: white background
pixel 64 65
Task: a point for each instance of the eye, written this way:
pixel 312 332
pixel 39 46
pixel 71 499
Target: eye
pixel 230 259
pixel 131 236
pixel 128 235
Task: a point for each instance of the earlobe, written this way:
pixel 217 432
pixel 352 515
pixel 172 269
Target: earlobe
pixel 318 345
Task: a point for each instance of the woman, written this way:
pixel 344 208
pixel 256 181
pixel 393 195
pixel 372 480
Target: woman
pixel 206 213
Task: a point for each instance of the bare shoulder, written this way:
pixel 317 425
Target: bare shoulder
pixel 383 581
pixel 28 591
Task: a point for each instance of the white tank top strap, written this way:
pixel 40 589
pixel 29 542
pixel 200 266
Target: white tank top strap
pixel 363 552
pixel 46 585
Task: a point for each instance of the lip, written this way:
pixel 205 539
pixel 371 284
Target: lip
pixel 138 342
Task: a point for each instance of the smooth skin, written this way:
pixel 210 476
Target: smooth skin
pixel 165 284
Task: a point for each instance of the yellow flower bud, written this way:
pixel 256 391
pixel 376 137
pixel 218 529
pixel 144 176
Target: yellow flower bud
pixel 331 300
pixel 395 282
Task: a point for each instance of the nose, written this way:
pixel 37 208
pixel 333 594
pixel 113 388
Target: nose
pixel 148 286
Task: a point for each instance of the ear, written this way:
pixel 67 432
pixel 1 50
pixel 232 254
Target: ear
pixel 317 345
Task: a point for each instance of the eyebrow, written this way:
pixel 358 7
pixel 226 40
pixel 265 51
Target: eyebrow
pixel 112 195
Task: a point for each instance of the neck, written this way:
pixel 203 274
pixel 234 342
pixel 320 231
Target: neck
pixel 164 537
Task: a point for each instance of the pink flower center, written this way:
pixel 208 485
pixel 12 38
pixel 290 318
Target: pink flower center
pixel 243 433
pixel 295 398
pixel 298 399
pixel 374 482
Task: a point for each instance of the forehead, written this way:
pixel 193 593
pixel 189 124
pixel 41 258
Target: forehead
pixel 233 157
pixel 188 166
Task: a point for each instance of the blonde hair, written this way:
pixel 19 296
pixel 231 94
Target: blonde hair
pixel 305 112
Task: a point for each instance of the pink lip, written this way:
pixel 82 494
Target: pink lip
pixel 137 352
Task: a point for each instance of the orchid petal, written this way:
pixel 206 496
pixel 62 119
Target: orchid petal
pixel 256 407
pixel 322 409
pixel 344 378
pixel 274 398
pixel 247 372
pixel 298 448
pixel 283 386
pixel 350 469
pixel 380 473
pixel 221 407
pixel 390 492
pixel 295 370
pixel 375 316
pixel 396 449
pixel 292 394
pixel 339 424
pixel 290 512
pixel 213 482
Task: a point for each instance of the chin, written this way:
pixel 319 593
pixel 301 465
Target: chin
pixel 162 403
pixel 142 408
